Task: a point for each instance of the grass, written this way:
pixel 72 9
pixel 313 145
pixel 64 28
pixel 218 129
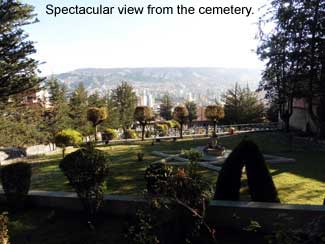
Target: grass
pixel 298 183
pixel 302 182
pixel 126 173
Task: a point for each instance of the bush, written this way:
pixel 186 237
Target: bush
pixel 87 170
pixel 157 176
pixel 260 182
pixel 130 134
pixel 110 134
pixel 66 138
pixel 176 212
pixel 15 180
pixel 193 155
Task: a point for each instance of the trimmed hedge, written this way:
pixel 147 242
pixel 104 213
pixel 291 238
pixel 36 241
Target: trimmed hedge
pixel 260 183
pixel 87 170
pixel 16 180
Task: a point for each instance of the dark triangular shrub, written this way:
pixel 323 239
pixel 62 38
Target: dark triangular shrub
pixel 260 182
pixel 228 183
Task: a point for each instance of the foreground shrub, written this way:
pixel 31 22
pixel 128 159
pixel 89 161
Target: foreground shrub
pixel 260 183
pixel 66 138
pixel 87 170
pixel 176 210
pixel 4 238
pixel 130 134
pixel 15 180
pixel 157 176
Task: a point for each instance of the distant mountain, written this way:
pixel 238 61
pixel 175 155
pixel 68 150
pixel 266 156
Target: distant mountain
pixel 195 79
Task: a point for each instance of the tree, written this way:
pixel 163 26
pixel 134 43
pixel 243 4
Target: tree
pixel 192 111
pixel 124 101
pixel 180 114
pixel 78 109
pixel 96 116
pixel 143 114
pixel 166 106
pixel 95 100
pixel 242 106
pixel 57 118
pixel 294 55
pixel 21 125
pixel 67 137
pixel 214 113
pixel 18 71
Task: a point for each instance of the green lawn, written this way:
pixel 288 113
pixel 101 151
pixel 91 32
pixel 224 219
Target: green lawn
pixel 301 183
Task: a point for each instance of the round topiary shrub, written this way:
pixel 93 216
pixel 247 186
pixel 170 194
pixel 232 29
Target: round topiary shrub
pixel 260 183
pixel 16 180
pixel 87 170
pixel 157 176
pixel 66 138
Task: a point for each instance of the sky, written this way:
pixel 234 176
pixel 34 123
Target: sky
pixel 68 42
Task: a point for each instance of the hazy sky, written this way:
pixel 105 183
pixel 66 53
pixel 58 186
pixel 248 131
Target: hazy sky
pixel 68 42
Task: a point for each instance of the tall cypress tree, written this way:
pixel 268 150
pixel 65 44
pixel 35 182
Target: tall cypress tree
pixel 18 71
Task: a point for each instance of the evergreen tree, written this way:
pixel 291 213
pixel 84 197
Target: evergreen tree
pixel 192 111
pixel 124 102
pixel 166 106
pixel 95 100
pixel 294 55
pixel 21 125
pixel 57 117
pixel 18 71
pixel 242 106
pixel 78 110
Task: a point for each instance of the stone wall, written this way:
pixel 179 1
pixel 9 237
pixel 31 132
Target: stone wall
pixel 235 215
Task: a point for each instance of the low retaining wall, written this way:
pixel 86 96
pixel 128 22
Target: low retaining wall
pixel 235 215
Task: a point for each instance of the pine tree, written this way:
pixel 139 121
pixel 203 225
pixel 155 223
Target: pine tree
pixel 18 71
pixel 166 107
pixel 78 110
pixel 124 101
pixel 242 106
pixel 57 117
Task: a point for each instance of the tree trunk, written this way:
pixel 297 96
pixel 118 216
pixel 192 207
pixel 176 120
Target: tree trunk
pixel 95 133
pixel 181 131
pixel 143 130
pixel 63 152
pixel 214 127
